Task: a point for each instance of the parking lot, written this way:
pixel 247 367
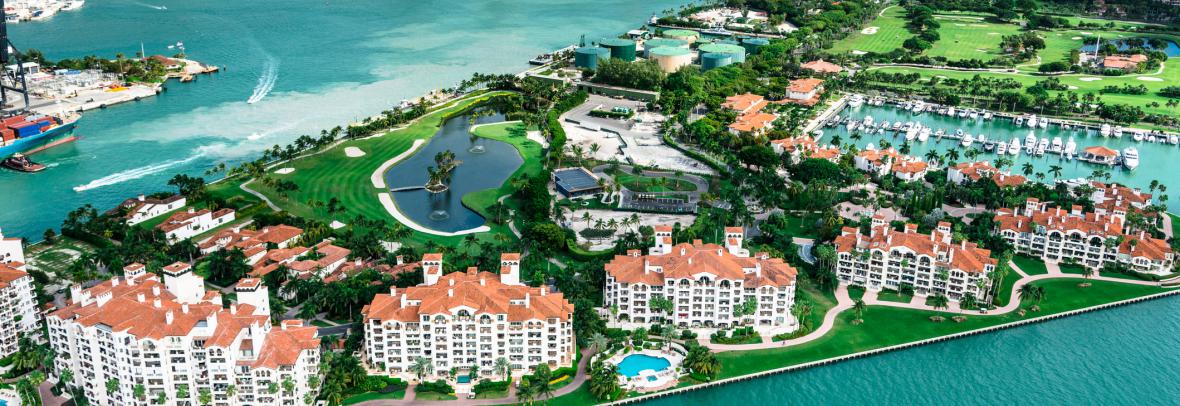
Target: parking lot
pixel 635 140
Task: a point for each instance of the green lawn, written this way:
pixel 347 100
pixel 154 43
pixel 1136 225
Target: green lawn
pixel 968 36
pixel 433 396
pixel 1029 265
pixel 1175 225
pixel 893 296
pixel 330 173
pixel 492 395
pixel 880 328
pixel 890 33
pixel 801 225
pixel 856 292
pixel 644 184
pixel 1070 268
pixel 367 396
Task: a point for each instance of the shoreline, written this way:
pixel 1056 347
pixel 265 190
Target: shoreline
pixel 896 347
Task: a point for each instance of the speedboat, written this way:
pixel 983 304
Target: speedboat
pixel 1044 123
pixel 868 121
pixel 1118 132
pixel 1032 121
pixel 987 115
pixel 1105 130
pixel 1020 121
pixel 856 101
pixel 967 140
pixel 989 146
pixel 959 133
pixel 962 113
pixel 851 124
pixel 950 111
pixel 974 115
pixel 1138 136
pixel 1042 146
pixel 924 134
pixel 1173 139
pixel 1030 141
pixel 918 107
pixel 1130 158
pixel 1055 147
pixel 1071 147
pixel 1014 146
pixel 1001 148
pixel 897 126
pixel 912 133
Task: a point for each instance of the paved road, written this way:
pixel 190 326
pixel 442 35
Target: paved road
pixel 805 245
pixel 843 302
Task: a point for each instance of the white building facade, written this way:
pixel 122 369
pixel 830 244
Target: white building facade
pixel 468 319
pixel 705 283
pixel 138 334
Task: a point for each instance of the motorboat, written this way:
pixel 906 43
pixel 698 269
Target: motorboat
pixel 1014 146
pixel 851 124
pixel 1071 148
pixel 1020 121
pixel 974 115
pixel 868 121
pixel 1130 158
pixel 962 113
pixel 1030 141
pixel 856 101
pixel 1173 139
pixel 1001 148
pixel 1032 121
pixel 912 133
pixel 950 111
pixel 1118 132
pixel 918 107
pixel 989 146
pixel 1055 146
pixel 1044 123
pixel 1042 146
pixel 924 134
pixel 897 126
pixel 1105 130
pixel 987 115
pixel 1138 136
pixel 959 133
pixel 967 140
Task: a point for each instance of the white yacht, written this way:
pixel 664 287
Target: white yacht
pixel 1030 141
pixel 1173 139
pixel 912 133
pixel 918 107
pixel 1130 158
pixel 924 134
pixel 1044 123
pixel 950 111
pixel 967 140
pixel 856 101
pixel 73 5
pixel 987 115
pixel 1032 121
pixel 1071 148
pixel 1014 147
pixel 1118 132
pixel 867 122
pixel 974 115
pixel 1019 121
pixel 962 113
pixel 851 124
pixel 1105 130
pixel 1055 147
pixel 1138 135
pixel 1042 146
pixel 897 125
pixel 1001 148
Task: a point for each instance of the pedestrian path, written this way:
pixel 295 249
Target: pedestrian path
pixel 843 302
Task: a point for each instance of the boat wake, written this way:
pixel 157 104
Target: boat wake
pixel 132 174
pixel 266 82
pixel 152 6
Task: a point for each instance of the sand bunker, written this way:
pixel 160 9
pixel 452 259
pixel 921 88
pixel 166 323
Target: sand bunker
pixel 1072 87
pixel 1149 79
pixel 1090 79
pixel 993 33
pixel 1076 38
pixel 353 152
pixel 1086 33
pixel 336 225
pixel 870 30
pixel 960 25
pixel 855 52
pixel 284 171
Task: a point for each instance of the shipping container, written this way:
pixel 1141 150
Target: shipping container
pixel 13 120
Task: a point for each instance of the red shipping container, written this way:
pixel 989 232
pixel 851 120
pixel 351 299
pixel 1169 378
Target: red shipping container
pixel 13 120
pixel 22 124
pixel 7 135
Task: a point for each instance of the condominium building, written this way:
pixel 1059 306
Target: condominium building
pixel 142 208
pixel 803 147
pixel 190 223
pixel 468 319
pixel 1090 239
pixel 174 342
pixel 751 118
pixel 18 300
pixel 880 162
pixel 705 282
pixel 933 264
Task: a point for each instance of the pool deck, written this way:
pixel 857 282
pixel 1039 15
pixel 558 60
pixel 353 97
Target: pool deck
pixel 642 381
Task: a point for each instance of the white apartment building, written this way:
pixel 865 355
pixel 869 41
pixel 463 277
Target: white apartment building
pixel 974 171
pixel 1088 239
pixel 881 162
pixel 932 263
pixel 142 208
pixel 705 283
pixel 188 224
pixel 12 251
pixel 176 341
pixel 466 319
pixel 18 306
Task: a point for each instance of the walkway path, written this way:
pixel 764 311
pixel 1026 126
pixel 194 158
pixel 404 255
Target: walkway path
pixel 410 399
pixel 258 195
pixel 843 302
pixel 1167 228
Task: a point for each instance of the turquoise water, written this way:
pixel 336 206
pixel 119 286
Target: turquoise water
pixel 486 164
pixel 633 364
pixel 1155 159
pixel 309 64
pixel 1121 356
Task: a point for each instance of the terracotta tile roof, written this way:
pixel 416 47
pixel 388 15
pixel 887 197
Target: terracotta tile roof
pixel 753 122
pixel 965 256
pixel 480 291
pixel 805 85
pixel 822 66
pixel 744 103
pixel 910 167
pixel 432 257
pixel 510 256
pixel 687 260
pixel 1123 62
pixel 9 274
pixel 284 344
pixel 1090 223
pixel 1102 151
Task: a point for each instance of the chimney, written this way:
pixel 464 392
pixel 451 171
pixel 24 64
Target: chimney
pixel 191 210
pixel 233 308
pixel 400 260
pixel 156 303
pixel 156 290
pixel 544 291
pixel 452 282
pixel 184 308
pixel 450 292
pixel 393 290
pixel 168 317
pixel 482 281
pixel 140 298
pixel 114 281
pixel 528 298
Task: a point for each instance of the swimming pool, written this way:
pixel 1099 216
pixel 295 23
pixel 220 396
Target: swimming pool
pixel 461 379
pixel 634 363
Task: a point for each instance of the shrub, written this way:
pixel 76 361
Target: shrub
pixel 439 386
pixel 490 386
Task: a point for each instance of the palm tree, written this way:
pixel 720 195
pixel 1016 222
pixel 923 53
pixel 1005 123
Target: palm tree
pixel 939 302
pixel 599 342
pixel 502 367
pixel 858 309
pixel 1055 170
pixel 421 367
pixel 1027 168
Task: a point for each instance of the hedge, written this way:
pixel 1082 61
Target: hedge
pixel 439 386
pixel 490 386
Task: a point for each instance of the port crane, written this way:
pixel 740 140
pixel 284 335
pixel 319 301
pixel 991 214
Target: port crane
pixel 10 55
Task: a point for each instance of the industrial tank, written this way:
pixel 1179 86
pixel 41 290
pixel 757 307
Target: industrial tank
pixel 734 51
pixel 619 48
pixel 714 61
pixel 671 59
pixel 661 42
pixel 688 36
pixel 588 57
pixel 753 45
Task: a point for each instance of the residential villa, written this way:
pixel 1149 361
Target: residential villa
pixel 1129 63
pixel 467 320
pixel 252 242
pixel 18 301
pixel 141 208
pixel 1090 239
pixel 933 264
pixel 880 162
pixel 803 146
pixel 751 119
pixel 822 67
pixel 705 283
pixel 805 91
pixel 175 340
pixel 1109 198
pixel 974 171
pixel 190 223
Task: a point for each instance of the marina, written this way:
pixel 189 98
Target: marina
pixel 1079 150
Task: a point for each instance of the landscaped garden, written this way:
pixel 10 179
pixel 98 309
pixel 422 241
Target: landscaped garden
pixel 1030 266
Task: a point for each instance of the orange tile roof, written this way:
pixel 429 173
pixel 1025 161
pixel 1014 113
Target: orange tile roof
pixel 1101 151
pixel 481 291
pixel 9 274
pixel 806 85
pixel 687 260
pixel 965 256
pixel 745 103
pixel 822 66
pixel 284 344
pixel 753 122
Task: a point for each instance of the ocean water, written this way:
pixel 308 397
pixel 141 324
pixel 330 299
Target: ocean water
pixel 1120 356
pixel 306 65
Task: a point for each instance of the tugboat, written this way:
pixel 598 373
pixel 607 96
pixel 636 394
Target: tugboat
pixel 21 163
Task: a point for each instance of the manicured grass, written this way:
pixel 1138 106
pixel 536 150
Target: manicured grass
pixel 891 32
pixel 856 292
pixel 1175 225
pixel 1070 268
pixel 330 173
pixel 801 225
pixel 1005 294
pixel 367 396
pixel 644 184
pixel 968 36
pixel 321 323
pixel 893 296
pixel 579 397
pixel 56 258
pixel 1029 265
pixel 434 396
pixel 880 327
pixel 513 133
pixel 155 221
pixel 492 395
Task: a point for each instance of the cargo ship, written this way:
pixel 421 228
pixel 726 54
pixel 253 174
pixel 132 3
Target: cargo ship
pixel 28 134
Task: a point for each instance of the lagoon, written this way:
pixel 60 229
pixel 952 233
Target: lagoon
pixel 486 164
